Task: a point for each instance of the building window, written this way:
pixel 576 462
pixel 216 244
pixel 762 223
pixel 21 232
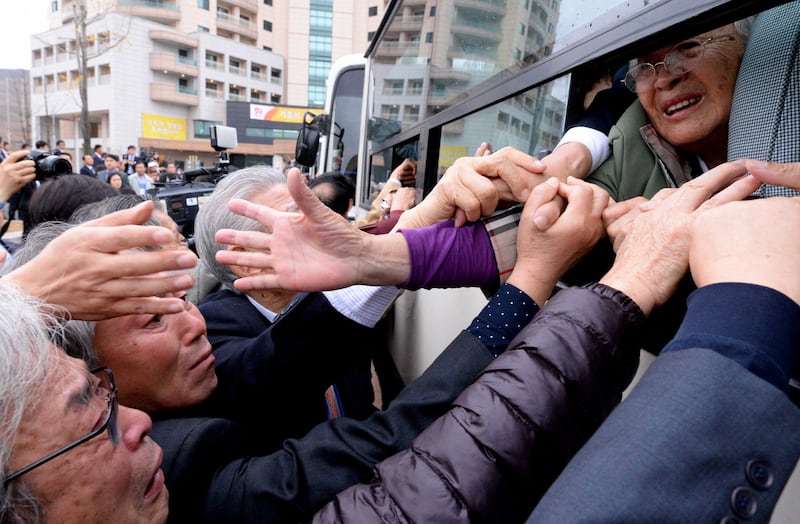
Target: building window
pixel 202 128
pixel 392 87
pixel 429 38
pixel 411 113
pixel 390 111
pixel 203 4
pixel 370 35
pixel 373 11
pixel 433 10
pixel 521 29
pixel 414 86
pixel 275 98
pixel 212 89
pixel 202 29
pixel 267 2
pixel 267 48
pixel 267 25
pixel 276 76
pixel 54 6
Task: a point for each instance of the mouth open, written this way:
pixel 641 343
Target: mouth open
pixel 683 104
pixel 155 485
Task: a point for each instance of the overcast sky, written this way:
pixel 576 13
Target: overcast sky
pixel 25 18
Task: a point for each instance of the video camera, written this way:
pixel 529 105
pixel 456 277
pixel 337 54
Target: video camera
pixel 183 201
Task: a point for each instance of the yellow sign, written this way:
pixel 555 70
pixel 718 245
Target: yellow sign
pixel 291 115
pixel 158 126
pixel 449 154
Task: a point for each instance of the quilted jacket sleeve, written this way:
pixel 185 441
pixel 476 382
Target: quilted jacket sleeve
pixel 508 435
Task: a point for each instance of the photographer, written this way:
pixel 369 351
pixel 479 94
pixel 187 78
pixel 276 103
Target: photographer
pixel 17 176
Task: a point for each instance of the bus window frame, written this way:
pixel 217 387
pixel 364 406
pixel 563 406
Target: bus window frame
pixel 663 22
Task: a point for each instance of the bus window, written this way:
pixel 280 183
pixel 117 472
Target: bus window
pixel 381 165
pixel 345 128
pixel 429 61
pixel 532 121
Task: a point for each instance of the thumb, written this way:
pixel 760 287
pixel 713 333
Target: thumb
pixel 306 200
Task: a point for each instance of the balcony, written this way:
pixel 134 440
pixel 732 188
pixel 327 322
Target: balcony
pixel 399 48
pixel 173 94
pixel 172 63
pixel 235 25
pixel 407 23
pixel 248 5
pixel 479 29
pixel 172 37
pixel 215 65
pixel 161 11
pixel 495 7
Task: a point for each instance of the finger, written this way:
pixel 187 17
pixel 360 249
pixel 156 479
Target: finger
pixel 154 285
pixel 257 240
pixel 693 193
pixel 523 160
pixel 543 194
pixel 138 214
pixel 460 218
pixel 140 263
pixel 547 214
pixel 140 305
pixel 264 215
pixel 252 259
pixel 787 175
pixel 306 200
pixel 119 238
pixel 617 210
pixel 16 156
pixel 739 190
pixel 256 282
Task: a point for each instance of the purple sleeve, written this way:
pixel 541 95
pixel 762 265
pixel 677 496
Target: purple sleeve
pixel 445 256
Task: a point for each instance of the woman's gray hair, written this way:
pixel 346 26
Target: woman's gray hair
pixel 26 360
pixel 744 26
pixel 214 215
pixel 75 335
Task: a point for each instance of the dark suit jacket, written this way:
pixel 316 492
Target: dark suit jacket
pixel 204 475
pixel 86 170
pixel 644 466
pixel 272 377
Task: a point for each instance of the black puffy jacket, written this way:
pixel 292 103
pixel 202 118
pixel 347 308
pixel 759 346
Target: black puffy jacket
pixel 509 435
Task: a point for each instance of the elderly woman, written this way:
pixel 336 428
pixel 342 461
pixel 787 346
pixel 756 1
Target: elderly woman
pixel 678 127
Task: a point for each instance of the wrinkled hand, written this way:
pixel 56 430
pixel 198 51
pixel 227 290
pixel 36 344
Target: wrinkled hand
pixel 15 173
pixel 483 150
pixel 312 250
pixel 654 254
pixel 90 271
pixel 473 186
pixel 755 242
pixel 403 199
pixel 543 256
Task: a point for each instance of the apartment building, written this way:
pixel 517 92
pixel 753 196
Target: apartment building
pixel 164 71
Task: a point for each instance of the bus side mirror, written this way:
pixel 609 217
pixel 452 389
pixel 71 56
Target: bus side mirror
pixel 305 151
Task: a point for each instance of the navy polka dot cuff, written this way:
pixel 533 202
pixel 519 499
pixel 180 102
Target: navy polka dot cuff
pixel 508 311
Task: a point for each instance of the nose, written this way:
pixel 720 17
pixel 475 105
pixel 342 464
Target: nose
pixel 193 323
pixel 664 79
pixel 134 426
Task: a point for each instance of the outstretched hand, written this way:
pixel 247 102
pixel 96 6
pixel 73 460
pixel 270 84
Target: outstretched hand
pixel 15 173
pixel 91 271
pixel 312 250
pixel 654 254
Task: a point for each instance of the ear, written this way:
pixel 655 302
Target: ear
pixel 242 271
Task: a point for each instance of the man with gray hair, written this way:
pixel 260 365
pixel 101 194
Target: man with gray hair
pixel 314 390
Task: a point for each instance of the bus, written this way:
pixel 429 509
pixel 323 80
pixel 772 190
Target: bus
pixel 440 77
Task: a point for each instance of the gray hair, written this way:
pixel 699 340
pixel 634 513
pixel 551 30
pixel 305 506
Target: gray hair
pixel 26 360
pixel 744 26
pixel 215 215
pixel 101 208
pixel 75 335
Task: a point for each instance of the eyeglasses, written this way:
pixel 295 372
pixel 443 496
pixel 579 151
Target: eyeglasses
pixel 105 389
pixel 681 59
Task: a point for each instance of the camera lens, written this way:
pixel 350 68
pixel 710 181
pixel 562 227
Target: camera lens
pixel 54 165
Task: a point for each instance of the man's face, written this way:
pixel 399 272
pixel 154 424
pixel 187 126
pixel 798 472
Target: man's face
pixel 691 111
pixel 160 361
pixel 171 169
pixel 88 160
pixel 97 481
pixel 111 163
pixel 140 170
pixel 132 151
pixel 98 151
pixel 153 173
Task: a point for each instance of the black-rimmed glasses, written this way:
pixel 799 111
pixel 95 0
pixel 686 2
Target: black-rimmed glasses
pixel 681 59
pixel 106 388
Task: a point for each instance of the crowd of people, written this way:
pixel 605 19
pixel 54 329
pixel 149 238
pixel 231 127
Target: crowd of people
pixel 143 382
